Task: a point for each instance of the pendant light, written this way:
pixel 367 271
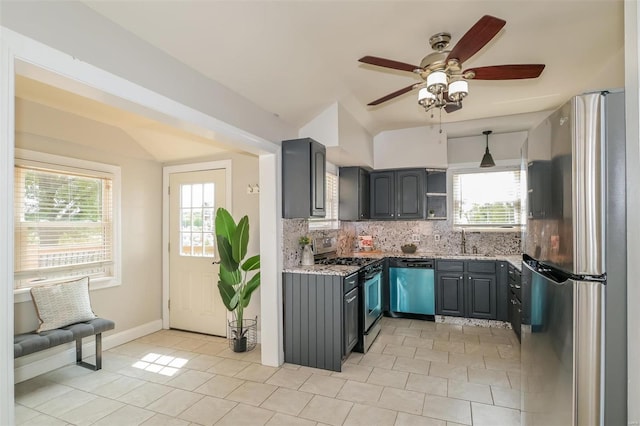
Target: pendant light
pixel 487 159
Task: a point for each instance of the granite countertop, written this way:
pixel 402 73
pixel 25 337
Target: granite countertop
pixel 515 260
pixel 323 269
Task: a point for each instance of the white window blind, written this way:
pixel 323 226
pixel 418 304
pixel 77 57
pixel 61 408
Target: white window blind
pixel 63 223
pixel 491 199
pixel 330 221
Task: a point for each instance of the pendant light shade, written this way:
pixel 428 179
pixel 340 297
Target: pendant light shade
pixel 487 159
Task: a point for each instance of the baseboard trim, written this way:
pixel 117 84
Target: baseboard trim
pixel 39 363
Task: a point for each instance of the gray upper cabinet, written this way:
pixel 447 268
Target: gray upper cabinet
pixel 303 178
pixel 397 194
pixel 436 194
pixel 354 193
pixel 383 193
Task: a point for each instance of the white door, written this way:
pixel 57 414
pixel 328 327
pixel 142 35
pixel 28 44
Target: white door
pixel 194 301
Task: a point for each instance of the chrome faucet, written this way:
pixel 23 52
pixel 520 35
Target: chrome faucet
pixel 463 243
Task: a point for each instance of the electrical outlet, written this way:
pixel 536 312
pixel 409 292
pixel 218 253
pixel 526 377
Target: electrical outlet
pixel 436 237
pixel 415 238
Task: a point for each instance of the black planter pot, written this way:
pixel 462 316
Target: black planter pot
pixel 240 345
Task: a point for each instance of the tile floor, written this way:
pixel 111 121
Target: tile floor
pixel 416 373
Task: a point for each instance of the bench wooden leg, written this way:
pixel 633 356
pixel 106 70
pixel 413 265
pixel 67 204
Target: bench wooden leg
pixel 80 362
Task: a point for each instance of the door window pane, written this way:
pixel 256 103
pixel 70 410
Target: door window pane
pixel 197 212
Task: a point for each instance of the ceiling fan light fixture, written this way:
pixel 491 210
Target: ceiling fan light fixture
pixel 487 159
pixel 458 90
pixel 437 82
pixel 425 97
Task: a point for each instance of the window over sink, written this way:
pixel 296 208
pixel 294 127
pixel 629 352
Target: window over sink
pixel 487 199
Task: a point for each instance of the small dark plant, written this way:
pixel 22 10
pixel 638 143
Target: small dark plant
pixel 235 284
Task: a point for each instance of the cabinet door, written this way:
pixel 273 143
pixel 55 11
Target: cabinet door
pixel 318 177
pixel 350 332
pixel 410 194
pixel 382 195
pixel 481 296
pixel 502 274
pixel 363 194
pixel 450 296
pixel 353 190
pixel 515 310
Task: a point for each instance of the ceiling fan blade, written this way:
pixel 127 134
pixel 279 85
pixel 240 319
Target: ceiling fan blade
pixel 476 38
pixel 391 95
pixel 453 107
pixel 507 72
pixel 388 63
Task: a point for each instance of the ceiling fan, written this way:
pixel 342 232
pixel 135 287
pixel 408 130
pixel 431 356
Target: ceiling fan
pixel 444 82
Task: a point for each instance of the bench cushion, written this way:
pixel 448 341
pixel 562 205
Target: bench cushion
pixel 28 343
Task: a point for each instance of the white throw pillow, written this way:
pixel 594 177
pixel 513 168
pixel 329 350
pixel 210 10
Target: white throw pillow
pixel 59 305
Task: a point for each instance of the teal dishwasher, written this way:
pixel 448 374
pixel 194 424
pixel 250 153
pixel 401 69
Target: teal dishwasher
pixel 412 288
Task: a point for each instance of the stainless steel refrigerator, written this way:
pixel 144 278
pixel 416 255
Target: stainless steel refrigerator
pixel 574 338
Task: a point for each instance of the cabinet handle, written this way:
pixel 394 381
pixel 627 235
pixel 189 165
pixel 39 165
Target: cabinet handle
pixel 461 277
pixel 469 277
pixel 352 299
pixel 518 287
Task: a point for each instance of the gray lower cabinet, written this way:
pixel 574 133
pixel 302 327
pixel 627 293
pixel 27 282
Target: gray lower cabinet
pixel 350 325
pixel 450 290
pixel 319 319
pixel 502 276
pixel 467 288
pixel 481 296
pixel 515 302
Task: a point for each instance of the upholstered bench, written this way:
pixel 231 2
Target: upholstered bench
pixel 65 314
pixel 28 343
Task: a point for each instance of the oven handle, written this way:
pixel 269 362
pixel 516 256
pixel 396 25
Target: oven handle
pixel 370 275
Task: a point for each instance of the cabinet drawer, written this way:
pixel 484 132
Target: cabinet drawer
pixel 484 267
pixel 450 265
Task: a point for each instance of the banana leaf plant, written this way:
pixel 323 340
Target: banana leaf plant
pixel 235 283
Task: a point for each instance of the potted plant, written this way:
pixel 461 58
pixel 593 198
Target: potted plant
pixel 307 252
pixel 235 284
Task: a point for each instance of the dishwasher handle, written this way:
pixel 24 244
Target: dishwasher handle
pixel 412 263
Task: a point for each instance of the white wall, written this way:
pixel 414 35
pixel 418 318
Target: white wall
pixel 323 128
pixel 137 300
pixel 347 142
pixel 469 150
pixel 413 147
pixel 245 171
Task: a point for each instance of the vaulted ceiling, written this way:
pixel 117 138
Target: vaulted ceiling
pixel 296 58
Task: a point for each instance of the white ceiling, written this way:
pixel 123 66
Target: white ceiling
pixel 295 58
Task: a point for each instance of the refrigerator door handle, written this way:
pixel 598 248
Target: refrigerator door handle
pixel 588 323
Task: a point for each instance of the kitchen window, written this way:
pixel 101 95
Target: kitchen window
pixel 487 199
pixel 65 219
pixel 330 221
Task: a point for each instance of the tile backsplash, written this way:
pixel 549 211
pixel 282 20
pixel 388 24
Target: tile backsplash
pixel 388 236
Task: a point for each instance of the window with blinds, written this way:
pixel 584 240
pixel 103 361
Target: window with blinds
pixel 64 223
pixel 330 221
pixel 491 199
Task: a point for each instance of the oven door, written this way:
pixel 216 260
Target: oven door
pixel 372 300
